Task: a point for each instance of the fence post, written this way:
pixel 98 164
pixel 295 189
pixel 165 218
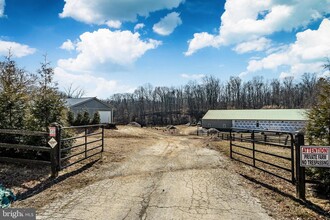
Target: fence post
pixel 54 152
pixel 85 142
pixel 293 180
pixel 59 136
pixel 253 149
pixel 231 147
pixel 102 138
pixel 300 171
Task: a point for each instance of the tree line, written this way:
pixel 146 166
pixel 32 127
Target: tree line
pixel 188 103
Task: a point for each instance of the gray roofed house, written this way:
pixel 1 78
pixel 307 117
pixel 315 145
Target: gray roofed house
pixel 265 119
pixel 91 105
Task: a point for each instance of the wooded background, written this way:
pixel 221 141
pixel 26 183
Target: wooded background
pixel 150 105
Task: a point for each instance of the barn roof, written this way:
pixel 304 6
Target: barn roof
pixel 72 102
pixel 258 114
pixel 76 101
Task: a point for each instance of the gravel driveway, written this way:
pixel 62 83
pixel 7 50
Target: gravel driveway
pixel 174 178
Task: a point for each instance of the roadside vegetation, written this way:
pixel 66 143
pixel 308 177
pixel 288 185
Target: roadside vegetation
pixel 318 131
pixel 28 102
pixel 83 118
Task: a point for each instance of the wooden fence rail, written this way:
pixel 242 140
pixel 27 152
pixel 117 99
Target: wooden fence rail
pixel 20 146
pixel 55 152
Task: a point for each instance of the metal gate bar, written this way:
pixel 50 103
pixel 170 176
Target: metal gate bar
pixel 84 146
pixel 253 151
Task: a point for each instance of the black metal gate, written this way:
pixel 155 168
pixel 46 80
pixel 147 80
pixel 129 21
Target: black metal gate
pixel 75 144
pixel 88 143
pixel 269 151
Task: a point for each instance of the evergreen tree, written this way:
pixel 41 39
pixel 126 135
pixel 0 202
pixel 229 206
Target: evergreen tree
pixel 48 105
pixel 85 119
pixel 318 129
pixel 15 85
pixel 70 118
pixel 79 119
pixel 96 118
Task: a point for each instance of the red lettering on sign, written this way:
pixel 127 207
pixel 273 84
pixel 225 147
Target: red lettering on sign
pixel 315 150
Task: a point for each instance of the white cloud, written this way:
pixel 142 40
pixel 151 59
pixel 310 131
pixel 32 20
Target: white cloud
pixel 92 85
pixel 113 24
pixel 297 69
pixel 17 50
pixel 102 11
pixel 260 44
pixel 167 24
pixel 68 45
pixel 138 27
pixel 107 48
pixel 202 40
pixel 306 54
pixel 2 7
pixel 246 20
pixel 192 76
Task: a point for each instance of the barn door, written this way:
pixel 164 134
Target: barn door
pixel 105 117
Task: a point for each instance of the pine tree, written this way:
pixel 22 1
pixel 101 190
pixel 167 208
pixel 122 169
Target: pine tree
pixel 15 85
pixel 86 119
pixel 79 119
pixel 70 117
pixel 96 118
pixel 48 105
pixel 318 128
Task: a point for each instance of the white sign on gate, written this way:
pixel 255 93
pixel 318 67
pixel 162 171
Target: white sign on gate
pixel 315 156
pixel 52 142
pixel 52 131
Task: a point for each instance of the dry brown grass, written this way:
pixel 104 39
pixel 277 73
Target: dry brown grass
pixel 277 196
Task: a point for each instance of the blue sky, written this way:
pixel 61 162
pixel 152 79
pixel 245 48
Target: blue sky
pixel 105 47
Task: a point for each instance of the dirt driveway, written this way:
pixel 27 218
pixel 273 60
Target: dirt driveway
pixel 160 176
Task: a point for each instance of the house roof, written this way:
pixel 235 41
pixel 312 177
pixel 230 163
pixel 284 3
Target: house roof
pixel 258 114
pixel 72 102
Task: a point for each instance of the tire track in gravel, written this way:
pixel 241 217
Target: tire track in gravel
pixel 175 178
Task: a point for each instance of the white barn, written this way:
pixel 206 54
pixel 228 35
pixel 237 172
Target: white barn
pixel 91 105
pixel 264 119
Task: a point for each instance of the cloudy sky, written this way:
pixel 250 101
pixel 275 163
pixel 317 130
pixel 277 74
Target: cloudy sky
pixel 110 46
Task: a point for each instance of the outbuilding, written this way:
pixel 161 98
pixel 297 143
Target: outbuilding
pixel 264 119
pixel 91 105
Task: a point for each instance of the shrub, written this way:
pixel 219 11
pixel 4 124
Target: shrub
pixel 70 117
pixel 96 118
pixel 79 119
pixel 85 118
pixel 318 130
